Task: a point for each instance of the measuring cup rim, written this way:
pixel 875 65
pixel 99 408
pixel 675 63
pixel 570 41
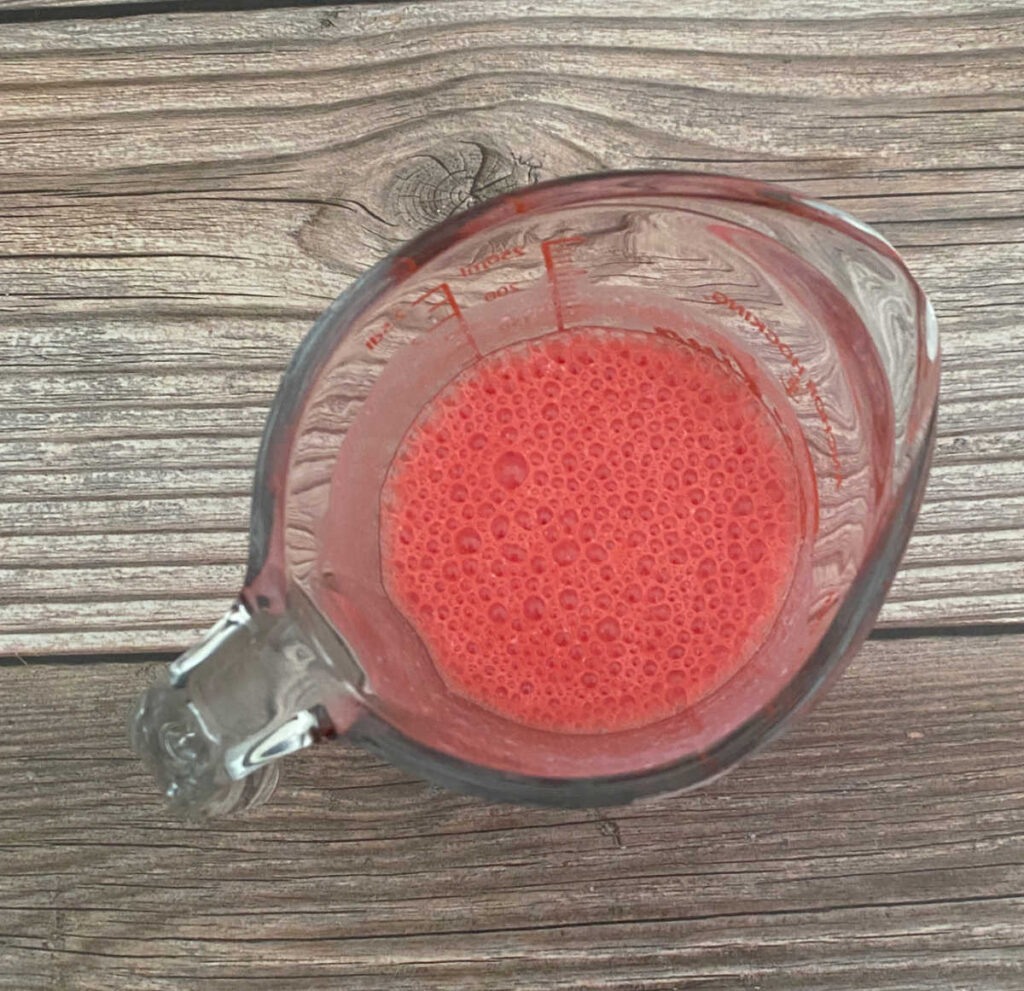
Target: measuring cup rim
pixel 864 595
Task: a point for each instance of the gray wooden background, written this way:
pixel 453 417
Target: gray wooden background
pixel 181 192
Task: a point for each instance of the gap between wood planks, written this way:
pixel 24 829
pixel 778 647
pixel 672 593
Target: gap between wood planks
pixel 165 657
pixel 114 11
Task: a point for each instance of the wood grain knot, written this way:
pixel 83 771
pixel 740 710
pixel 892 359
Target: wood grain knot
pixel 432 185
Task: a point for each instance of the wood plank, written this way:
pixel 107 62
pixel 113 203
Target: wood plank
pixel 878 846
pixel 181 195
pixel 358 14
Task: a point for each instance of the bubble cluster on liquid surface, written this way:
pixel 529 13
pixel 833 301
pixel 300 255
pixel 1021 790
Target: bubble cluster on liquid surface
pixel 593 530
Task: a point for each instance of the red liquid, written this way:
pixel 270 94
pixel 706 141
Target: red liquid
pixel 592 531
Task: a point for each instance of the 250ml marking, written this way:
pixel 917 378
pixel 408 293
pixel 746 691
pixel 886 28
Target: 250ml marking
pixel 797 381
pixel 492 260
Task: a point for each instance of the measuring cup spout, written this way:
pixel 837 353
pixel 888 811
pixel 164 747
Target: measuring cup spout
pixel 258 686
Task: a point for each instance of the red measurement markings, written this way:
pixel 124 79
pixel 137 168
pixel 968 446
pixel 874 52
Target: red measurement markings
pixel 437 297
pixel 492 261
pixel 669 333
pixel 374 339
pixel 796 381
pixel 558 262
pixel 505 290
pixel 441 295
pixel 401 268
pixel 770 335
pixel 692 342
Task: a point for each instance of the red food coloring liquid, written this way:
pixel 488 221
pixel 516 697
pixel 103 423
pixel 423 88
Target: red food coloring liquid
pixel 593 530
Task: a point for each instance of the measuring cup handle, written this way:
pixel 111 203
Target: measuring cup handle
pixel 252 690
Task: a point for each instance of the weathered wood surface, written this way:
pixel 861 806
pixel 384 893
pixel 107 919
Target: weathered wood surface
pixel 181 194
pixel 879 846
pixel 431 15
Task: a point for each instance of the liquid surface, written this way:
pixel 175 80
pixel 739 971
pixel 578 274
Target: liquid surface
pixel 593 530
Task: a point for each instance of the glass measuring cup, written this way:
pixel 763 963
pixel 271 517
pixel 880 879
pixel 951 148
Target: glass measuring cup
pixel 816 305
